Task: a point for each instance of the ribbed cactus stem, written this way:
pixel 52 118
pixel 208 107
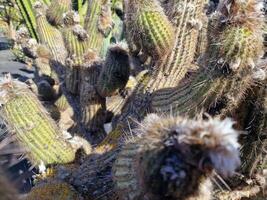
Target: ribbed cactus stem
pixel 26 10
pixel 42 62
pixel 49 35
pixel 76 41
pixel 56 10
pixel 32 125
pixel 92 20
pixel 62 103
pixel 115 72
pixel 149 28
pixel 174 158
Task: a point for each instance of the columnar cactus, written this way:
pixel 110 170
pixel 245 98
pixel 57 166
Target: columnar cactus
pixel 49 35
pixel 115 72
pixel 181 61
pixel 56 10
pixel 76 42
pixel 148 28
pixel 32 126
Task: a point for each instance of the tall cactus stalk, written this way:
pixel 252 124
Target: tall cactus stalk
pixel 76 42
pixel 168 71
pixel 49 35
pixel 26 9
pixel 32 126
pixel 96 12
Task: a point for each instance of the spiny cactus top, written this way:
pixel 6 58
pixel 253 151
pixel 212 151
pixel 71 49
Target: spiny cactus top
pixel 173 158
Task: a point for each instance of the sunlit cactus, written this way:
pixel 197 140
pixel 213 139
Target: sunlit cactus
pixel 148 28
pixel 102 66
pixel 32 126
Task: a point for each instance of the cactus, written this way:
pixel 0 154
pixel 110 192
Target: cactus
pixel 182 60
pixel 49 35
pixel 56 11
pixel 92 104
pixel 92 22
pixel 76 39
pixel 168 154
pixel 149 28
pixel 26 9
pixel 33 128
pixel 115 72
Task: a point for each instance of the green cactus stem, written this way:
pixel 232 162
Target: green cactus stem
pixel 26 10
pixel 32 126
pixel 94 18
pixel 76 41
pixel 56 10
pixel 148 27
pixel 115 72
pixel 49 35
pixel 229 69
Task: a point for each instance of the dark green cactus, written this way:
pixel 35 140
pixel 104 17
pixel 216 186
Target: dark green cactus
pixel 115 72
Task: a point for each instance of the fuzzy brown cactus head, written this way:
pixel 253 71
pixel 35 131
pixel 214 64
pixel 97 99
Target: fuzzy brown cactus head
pixel 173 157
pixel 71 18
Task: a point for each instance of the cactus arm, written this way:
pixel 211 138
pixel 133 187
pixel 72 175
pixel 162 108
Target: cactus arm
pixel 50 36
pixel 26 10
pixel 115 72
pixel 33 127
pixel 92 22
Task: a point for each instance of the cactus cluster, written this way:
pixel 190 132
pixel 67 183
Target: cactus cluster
pixel 110 63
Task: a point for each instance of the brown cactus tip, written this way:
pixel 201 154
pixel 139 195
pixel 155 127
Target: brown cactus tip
pixel 175 158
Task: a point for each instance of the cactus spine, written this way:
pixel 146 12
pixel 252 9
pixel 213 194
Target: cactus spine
pixel 33 127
